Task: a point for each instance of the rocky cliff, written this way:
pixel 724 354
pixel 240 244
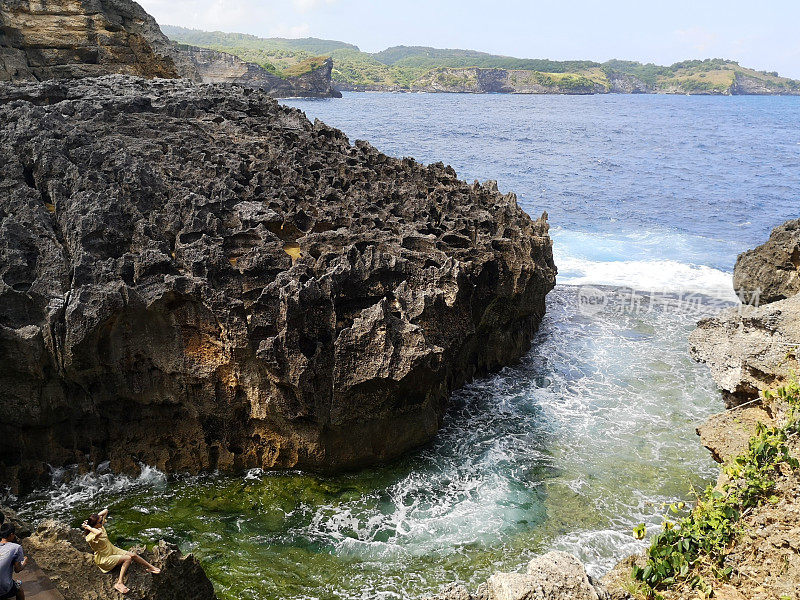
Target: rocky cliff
pixel 218 67
pixel 194 277
pixel 82 38
pixel 66 39
pixel 754 347
pixel 475 80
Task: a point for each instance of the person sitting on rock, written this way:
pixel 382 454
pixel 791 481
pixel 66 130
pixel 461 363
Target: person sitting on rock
pixel 12 560
pixel 106 555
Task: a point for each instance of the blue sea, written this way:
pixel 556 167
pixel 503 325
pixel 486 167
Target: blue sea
pixel 584 438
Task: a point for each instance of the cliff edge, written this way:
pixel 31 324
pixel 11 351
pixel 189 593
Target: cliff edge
pixel 68 39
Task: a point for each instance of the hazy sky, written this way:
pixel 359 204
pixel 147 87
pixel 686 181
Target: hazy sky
pixel 762 35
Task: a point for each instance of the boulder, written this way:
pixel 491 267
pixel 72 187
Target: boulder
pixel 553 576
pixel 749 349
pixel 194 277
pixel 64 556
pixel 770 272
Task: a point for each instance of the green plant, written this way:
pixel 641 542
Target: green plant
pixel 703 536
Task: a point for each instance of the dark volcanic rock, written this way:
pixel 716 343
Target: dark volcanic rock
pixel 81 38
pixel 195 277
pixel 65 557
pixel 770 272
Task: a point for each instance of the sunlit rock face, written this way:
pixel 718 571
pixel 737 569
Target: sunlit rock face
pixel 46 39
pixel 194 277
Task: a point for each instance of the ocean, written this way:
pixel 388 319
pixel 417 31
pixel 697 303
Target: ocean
pixel 650 199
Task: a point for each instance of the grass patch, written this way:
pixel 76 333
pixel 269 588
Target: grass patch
pixel 303 67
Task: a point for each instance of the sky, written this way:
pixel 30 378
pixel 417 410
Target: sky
pixel 764 35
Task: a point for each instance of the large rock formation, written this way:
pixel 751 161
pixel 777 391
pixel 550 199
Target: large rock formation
pixel 195 277
pixel 81 38
pixel 770 272
pixel 219 67
pixel 750 348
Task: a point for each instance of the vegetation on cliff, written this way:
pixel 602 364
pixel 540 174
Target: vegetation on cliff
pixel 693 553
pixel 417 67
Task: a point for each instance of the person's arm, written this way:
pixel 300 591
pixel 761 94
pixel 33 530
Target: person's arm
pixel 103 514
pixel 20 564
pixel 85 525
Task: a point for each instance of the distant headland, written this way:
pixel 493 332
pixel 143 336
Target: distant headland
pixel 424 69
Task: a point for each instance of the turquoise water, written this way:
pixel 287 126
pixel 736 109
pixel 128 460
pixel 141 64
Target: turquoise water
pixel 590 433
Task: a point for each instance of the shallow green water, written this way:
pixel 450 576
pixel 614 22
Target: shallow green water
pixel 569 449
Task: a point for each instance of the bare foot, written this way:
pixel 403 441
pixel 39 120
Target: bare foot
pixel 154 570
pixel 120 587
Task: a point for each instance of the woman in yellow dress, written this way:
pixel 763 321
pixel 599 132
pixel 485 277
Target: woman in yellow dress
pixel 106 555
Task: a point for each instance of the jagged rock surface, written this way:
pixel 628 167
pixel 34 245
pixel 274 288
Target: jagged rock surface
pixel 82 38
pixel 195 277
pixel 753 348
pixel 219 67
pixel 749 349
pixel 770 272
pixel 65 557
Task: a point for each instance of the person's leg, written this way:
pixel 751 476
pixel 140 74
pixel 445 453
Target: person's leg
pixel 152 569
pixel 20 593
pixel 124 562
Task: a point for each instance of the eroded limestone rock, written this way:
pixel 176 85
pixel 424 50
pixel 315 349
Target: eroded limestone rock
pixel 552 576
pixel 749 349
pixel 82 38
pixel 194 277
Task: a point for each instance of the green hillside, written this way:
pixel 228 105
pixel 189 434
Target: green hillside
pixel 435 69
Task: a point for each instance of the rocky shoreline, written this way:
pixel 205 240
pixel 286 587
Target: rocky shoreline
pixel 476 80
pixel 195 277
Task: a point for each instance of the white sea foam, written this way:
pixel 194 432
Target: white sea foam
pixel 648 275
pixel 69 490
pixel 654 260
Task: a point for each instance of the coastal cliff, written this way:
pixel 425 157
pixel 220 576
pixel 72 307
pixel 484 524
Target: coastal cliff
pixel 67 39
pixel 219 67
pixel 493 81
pixel 194 277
